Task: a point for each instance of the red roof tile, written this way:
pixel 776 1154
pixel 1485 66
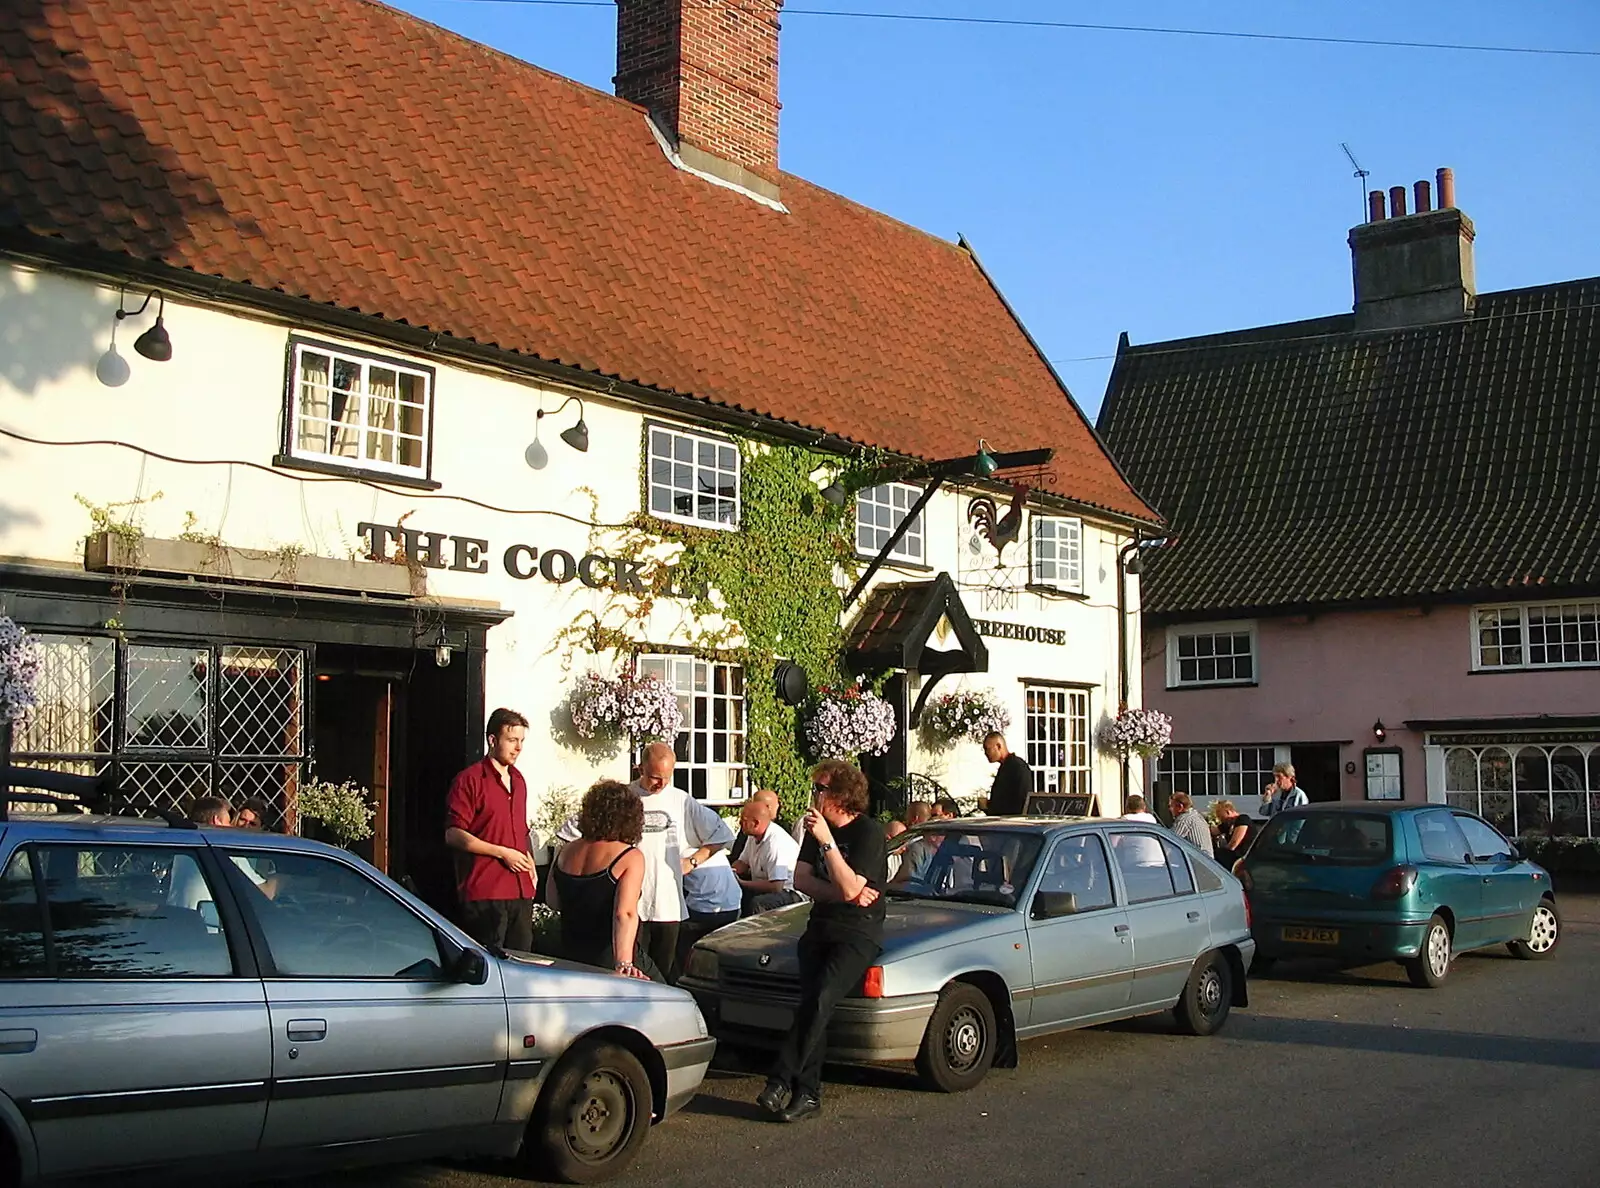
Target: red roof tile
pixel 351 154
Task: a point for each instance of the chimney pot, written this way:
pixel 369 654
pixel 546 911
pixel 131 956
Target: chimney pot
pixel 1413 271
pixel 1397 201
pixel 1375 211
pixel 1424 202
pixel 1446 179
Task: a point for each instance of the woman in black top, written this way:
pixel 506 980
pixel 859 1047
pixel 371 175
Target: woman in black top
pixel 1235 832
pixel 597 881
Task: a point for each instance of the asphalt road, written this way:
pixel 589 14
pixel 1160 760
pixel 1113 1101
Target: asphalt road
pixel 1327 1079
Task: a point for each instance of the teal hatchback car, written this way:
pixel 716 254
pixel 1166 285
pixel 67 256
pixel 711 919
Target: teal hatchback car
pixel 1413 883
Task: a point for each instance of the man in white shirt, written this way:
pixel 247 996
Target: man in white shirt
pixel 680 833
pixel 1137 811
pixel 766 864
pixel 1144 849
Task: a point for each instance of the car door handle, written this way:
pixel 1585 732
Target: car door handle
pixel 15 1041
pixel 1121 928
pixel 1194 916
pixel 307 1031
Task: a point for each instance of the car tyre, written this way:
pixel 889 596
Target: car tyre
pixel 1204 1004
pixel 1544 933
pixel 591 1117
pixel 958 1047
pixel 1431 965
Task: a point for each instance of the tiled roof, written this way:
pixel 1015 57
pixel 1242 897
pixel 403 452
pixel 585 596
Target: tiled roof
pixel 1308 464
pixel 344 152
pixel 897 620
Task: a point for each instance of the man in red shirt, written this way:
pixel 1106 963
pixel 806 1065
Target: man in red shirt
pixel 486 819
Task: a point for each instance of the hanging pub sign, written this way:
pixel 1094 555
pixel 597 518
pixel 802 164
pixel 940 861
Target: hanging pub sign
pixel 1061 804
pixel 469 554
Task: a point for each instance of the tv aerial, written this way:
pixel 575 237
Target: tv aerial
pixel 1360 175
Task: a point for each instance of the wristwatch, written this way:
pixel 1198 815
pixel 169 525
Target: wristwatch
pixel 823 849
pixel 694 861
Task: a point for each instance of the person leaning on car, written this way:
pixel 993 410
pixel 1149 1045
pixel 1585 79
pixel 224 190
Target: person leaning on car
pixel 486 819
pixel 843 867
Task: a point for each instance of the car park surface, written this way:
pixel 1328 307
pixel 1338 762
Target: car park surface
pixel 219 1000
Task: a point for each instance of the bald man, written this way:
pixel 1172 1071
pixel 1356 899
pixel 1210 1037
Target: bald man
pixel 765 867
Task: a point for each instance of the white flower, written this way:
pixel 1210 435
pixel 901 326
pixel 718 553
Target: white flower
pixel 345 809
pixel 849 722
pixel 973 714
pixel 640 708
pixel 1143 732
pixel 19 672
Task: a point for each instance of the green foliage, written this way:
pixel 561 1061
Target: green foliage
pixel 1562 855
pixel 120 518
pixel 345 810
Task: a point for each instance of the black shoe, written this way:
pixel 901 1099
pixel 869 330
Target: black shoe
pixel 802 1106
pixel 773 1098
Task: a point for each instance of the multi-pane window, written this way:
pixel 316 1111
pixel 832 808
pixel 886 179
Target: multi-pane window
pixel 711 746
pixel 693 478
pixel 1519 786
pixel 1057 553
pixel 1057 733
pixel 879 511
pixel 359 410
pixel 1219 655
pixel 171 722
pixel 1237 773
pixel 1538 635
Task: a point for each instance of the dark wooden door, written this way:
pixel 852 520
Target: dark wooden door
pixel 1316 769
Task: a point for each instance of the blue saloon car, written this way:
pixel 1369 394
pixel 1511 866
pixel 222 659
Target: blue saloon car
pixel 1414 883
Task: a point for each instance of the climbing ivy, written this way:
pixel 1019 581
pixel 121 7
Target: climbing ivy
pixel 774 585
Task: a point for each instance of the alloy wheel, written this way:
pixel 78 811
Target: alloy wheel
pixel 1439 951
pixel 1542 936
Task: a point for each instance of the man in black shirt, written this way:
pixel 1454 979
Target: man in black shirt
pixel 1012 783
pixel 842 868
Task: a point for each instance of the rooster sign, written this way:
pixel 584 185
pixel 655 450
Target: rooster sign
pixel 999 530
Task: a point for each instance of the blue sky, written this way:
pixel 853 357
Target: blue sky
pixel 1165 185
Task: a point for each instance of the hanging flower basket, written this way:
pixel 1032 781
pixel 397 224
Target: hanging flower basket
pixel 970 714
pixel 344 810
pixel 1142 732
pixel 19 673
pixel 639 708
pixel 844 723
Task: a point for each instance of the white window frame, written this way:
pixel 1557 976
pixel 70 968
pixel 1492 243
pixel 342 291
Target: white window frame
pixel 1236 628
pixel 1056 733
pixel 296 416
pixel 695 680
pixel 1238 773
pixel 1064 572
pixel 1487 774
pixel 1514 631
pixel 658 436
pixel 897 499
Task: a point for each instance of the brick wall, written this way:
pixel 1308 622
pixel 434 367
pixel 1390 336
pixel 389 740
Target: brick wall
pixel 709 69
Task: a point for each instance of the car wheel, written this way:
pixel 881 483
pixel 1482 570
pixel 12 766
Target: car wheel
pixel 592 1116
pixel 1432 964
pixel 1544 934
pixel 1204 1004
pixel 958 1047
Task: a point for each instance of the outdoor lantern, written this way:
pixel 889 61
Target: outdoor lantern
pixel 441 649
pixel 793 686
pixel 1378 732
pixel 835 493
pixel 577 436
pixel 984 464
pixel 154 344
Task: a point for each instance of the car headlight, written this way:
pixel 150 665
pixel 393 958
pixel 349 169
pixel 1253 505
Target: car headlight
pixel 700 1023
pixel 702 964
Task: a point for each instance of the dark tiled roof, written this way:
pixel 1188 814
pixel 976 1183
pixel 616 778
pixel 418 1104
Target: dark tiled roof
pixel 344 152
pixel 1308 464
pixel 897 620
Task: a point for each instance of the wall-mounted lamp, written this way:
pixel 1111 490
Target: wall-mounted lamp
pixel 1378 731
pixel 154 344
pixel 577 436
pixel 835 493
pixel 441 648
pixel 1135 563
pixel 984 464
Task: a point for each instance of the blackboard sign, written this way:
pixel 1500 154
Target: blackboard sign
pixel 1061 804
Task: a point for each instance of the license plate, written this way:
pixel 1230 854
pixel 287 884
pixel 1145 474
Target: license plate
pixel 1312 936
pixel 756 1014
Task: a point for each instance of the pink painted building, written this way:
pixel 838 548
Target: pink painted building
pixel 1387 558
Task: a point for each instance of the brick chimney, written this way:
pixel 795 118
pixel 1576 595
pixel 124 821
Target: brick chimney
pixel 1413 269
pixel 708 74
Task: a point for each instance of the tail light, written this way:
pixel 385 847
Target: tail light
pixel 1396 883
pixel 1249 916
pixel 872 983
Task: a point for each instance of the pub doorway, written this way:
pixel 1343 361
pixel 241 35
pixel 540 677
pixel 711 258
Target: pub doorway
pixel 1316 769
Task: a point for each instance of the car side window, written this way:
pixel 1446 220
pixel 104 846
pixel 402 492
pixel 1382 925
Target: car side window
pixel 1442 839
pixel 1078 866
pixel 323 919
pixel 1484 842
pixel 108 912
pixel 1142 861
pixel 1178 867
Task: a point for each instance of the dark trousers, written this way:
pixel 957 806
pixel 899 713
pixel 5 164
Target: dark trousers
pixel 659 940
pixel 697 925
pixel 503 923
pixel 829 971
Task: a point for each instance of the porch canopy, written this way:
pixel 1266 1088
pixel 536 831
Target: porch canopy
pixel 916 627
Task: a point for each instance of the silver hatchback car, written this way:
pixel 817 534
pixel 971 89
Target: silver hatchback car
pixel 247 1004
pixel 998 930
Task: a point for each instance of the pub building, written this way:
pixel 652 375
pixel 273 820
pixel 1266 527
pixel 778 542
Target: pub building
pixel 328 427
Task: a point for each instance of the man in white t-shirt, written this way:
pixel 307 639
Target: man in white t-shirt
pixel 1137 812
pixel 680 833
pixel 766 864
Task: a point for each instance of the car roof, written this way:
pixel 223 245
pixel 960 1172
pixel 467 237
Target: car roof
pixel 1360 806
pixel 1015 824
pixel 58 825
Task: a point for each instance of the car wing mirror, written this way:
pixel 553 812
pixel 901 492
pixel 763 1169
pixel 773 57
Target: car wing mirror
pixel 1047 905
pixel 469 968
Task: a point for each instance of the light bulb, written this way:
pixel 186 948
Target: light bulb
pixel 113 369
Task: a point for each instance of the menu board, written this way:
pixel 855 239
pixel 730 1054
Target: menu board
pixel 1061 804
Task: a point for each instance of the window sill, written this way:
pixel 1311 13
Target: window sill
pixel 1200 688
pixel 339 470
pixel 1526 670
pixel 1050 591
pixel 691 522
pixel 896 563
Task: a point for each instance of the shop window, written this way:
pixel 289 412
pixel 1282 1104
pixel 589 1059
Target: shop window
pixel 357 410
pixel 1057 551
pixel 1212 654
pixel 1056 722
pixel 1537 635
pixel 693 478
pixel 711 746
pixel 879 511
pixel 1520 786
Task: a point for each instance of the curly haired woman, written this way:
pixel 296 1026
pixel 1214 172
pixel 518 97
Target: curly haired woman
pixel 597 881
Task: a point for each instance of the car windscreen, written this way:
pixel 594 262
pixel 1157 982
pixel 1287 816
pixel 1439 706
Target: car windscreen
pixel 1346 839
pixel 951 861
